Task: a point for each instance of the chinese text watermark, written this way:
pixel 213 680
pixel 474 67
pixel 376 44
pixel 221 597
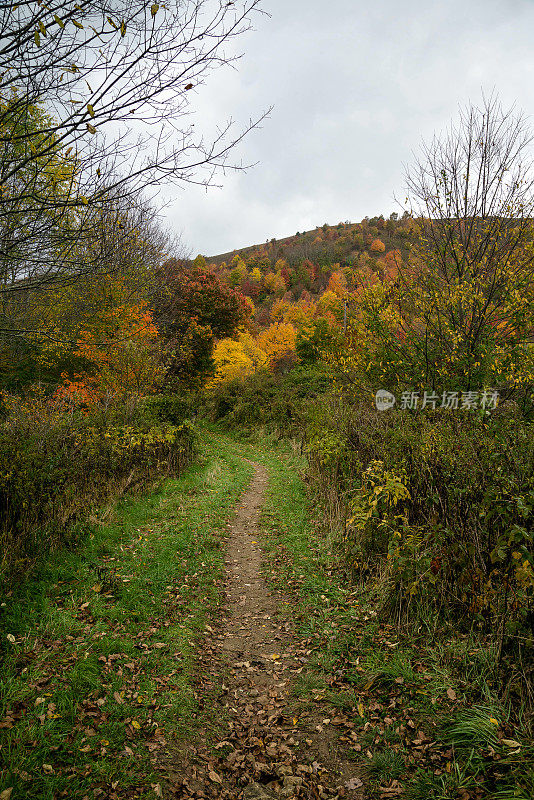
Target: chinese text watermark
pixel 485 399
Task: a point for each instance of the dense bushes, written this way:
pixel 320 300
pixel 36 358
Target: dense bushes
pixel 168 408
pixel 437 508
pixel 278 402
pixel 56 468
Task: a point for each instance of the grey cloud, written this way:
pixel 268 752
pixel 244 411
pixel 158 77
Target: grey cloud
pixel 355 86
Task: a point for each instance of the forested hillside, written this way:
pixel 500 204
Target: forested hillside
pixel 304 266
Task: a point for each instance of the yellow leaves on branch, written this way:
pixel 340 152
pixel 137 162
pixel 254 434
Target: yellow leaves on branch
pixel 237 358
pixel 274 283
pixel 337 283
pixel 329 303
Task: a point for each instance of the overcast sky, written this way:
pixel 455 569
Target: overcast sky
pixel 355 86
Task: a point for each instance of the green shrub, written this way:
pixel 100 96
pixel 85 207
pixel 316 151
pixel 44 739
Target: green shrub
pixel 171 408
pixel 278 402
pixel 439 508
pixel 58 468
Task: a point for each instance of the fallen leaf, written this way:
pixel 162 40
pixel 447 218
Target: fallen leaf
pixel 6 794
pixel 214 777
pixel 451 694
pixel 353 783
pixel 391 791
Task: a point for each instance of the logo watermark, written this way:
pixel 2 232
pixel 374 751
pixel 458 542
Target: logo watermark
pixel 485 399
pixel 384 400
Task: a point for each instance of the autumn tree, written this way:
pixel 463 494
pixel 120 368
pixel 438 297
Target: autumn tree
pixel 192 308
pixel 39 326
pixel 274 283
pixel 278 343
pixel 122 353
pixel 236 359
pixel 239 273
pixel 377 246
pixel 466 300
pixel 31 228
pixel 458 313
pixel 317 340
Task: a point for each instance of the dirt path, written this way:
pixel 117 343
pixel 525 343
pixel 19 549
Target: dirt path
pixel 260 751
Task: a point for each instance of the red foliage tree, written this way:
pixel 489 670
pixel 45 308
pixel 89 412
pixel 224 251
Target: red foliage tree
pixel 286 275
pixel 250 288
pixel 192 307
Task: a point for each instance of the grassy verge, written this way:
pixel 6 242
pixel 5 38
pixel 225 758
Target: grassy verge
pixel 98 647
pixel 423 719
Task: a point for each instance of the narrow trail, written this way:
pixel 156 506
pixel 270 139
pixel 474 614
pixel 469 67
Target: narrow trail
pixel 261 750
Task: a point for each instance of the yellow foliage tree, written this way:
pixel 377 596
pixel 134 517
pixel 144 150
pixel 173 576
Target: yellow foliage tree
pixel 337 283
pixel 329 303
pixel 277 342
pixel 298 315
pixel 279 310
pixel 239 273
pixel 274 283
pixel 236 359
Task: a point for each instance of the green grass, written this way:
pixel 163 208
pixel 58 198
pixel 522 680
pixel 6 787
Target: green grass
pixel 385 766
pixel 98 669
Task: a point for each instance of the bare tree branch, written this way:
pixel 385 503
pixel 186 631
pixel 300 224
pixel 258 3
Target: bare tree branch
pixel 94 110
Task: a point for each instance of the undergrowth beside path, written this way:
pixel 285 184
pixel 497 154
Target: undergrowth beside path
pixel 99 646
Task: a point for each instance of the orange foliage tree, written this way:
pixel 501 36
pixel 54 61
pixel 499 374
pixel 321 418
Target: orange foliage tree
pixel 377 246
pixel 122 357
